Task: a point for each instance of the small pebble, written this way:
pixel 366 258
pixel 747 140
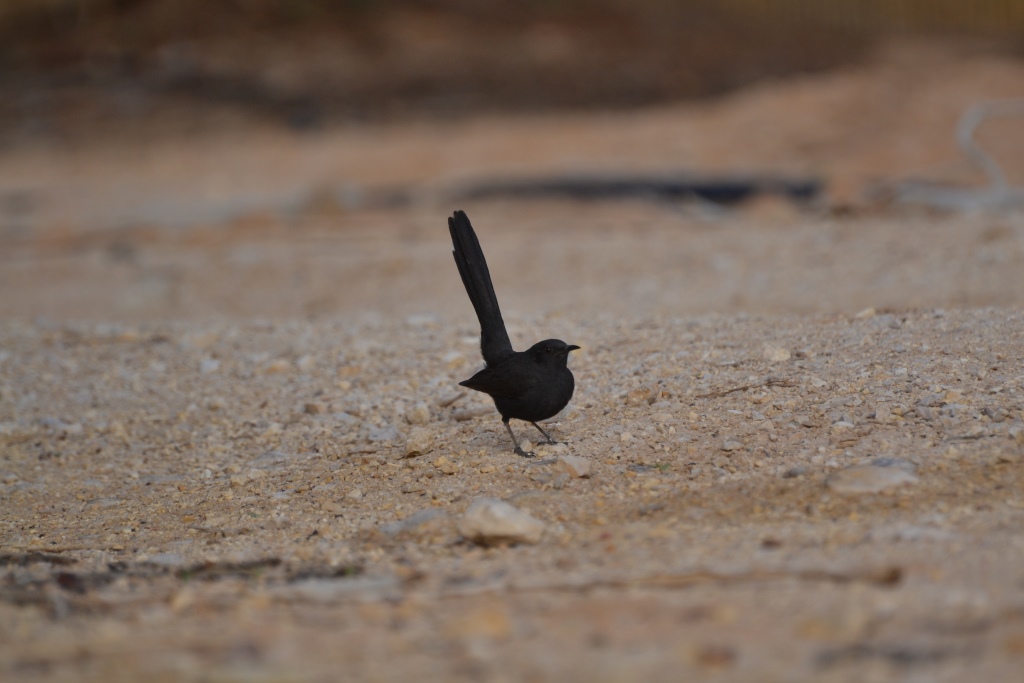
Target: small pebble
pixel 559 480
pixel 542 478
pixel 641 396
pixel 419 414
pixel 55 425
pixel 882 414
pixel 420 442
pixel 446 466
pixel 277 367
pixel 273 429
pixel 271 459
pixel 995 414
pixel 975 432
pixel 775 354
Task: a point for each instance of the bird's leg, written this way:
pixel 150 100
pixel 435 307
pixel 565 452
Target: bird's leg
pixel 519 451
pixel 549 441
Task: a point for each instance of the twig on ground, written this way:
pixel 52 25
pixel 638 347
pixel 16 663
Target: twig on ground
pixel 769 382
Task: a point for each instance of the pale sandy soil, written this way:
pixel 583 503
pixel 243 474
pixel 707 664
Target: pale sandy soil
pixel 208 373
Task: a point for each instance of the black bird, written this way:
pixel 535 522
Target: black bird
pixel 526 385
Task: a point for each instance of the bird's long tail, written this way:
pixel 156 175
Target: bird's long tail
pixel 469 257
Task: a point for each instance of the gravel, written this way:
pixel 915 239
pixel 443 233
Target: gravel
pixel 155 467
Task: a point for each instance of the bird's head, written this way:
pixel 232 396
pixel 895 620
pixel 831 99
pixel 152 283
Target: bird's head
pixel 552 351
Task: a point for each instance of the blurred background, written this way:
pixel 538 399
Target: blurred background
pixel 190 159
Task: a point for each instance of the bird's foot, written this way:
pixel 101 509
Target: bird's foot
pixel 547 437
pixel 525 454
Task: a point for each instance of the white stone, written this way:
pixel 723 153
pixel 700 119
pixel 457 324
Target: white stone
pixel 489 521
pixel 420 442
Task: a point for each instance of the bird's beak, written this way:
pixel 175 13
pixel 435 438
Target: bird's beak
pixel 571 347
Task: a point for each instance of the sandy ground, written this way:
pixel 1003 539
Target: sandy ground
pixel 805 427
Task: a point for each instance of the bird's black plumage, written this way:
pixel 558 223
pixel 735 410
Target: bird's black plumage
pixel 529 385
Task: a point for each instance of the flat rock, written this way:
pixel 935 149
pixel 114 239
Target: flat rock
pixel 167 560
pixel 422 525
pixel 274 460
pixel 489 521
pixel 575 465
pixel 383 433
pixel 359 588
pixel 869 479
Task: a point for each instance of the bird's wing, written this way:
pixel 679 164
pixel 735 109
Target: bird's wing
pixel 502 381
